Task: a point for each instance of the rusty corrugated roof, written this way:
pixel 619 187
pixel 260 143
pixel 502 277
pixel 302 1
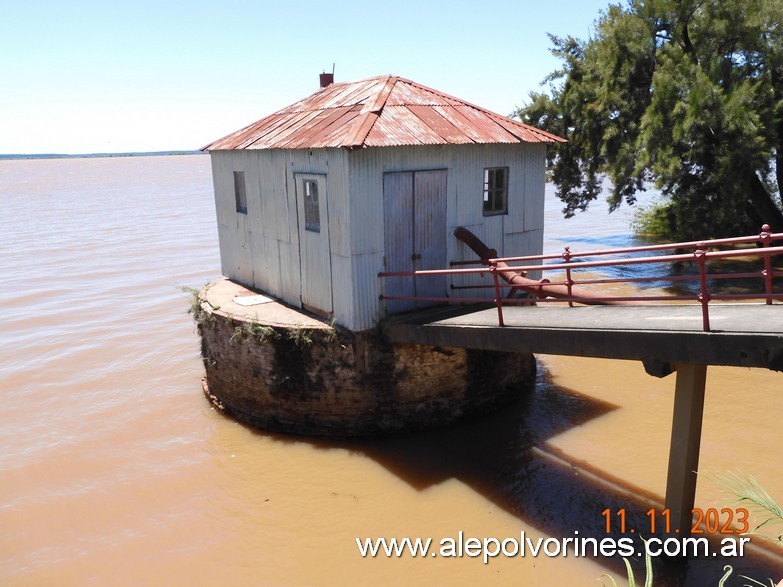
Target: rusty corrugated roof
pixel 379 112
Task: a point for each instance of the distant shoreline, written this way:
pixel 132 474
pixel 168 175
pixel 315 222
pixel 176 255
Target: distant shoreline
pixel 86 155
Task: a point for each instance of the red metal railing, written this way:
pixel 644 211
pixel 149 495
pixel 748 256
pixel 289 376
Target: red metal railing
pixel 700 255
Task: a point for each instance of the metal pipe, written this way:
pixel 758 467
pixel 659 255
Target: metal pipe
pixel 564 290
pixel 517 279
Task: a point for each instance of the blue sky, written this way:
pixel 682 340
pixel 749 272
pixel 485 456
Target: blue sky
pixel 81 77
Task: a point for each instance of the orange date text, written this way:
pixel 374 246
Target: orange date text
pixel 709 521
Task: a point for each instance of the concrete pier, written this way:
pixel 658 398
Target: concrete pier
pixel 280 369
pixel 743 335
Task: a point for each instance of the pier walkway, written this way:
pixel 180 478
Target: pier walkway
pixel 742 335
pixel 706 327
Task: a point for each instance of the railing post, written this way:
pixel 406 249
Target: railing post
pixel 569 281
pixel 493 269
pixel 766 240
pixel 700 254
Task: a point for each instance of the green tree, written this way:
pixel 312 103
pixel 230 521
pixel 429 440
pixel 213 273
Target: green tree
pixel 685 95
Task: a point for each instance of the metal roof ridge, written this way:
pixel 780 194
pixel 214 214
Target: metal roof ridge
pixel 383 94
pixel 372 112
pixel 369 98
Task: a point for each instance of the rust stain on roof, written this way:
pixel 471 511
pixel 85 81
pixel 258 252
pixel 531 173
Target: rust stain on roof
pixel 379 112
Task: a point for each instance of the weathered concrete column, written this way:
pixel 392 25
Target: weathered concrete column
pixel 685 443
pixel 276 368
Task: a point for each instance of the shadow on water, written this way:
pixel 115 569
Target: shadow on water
pixel 503 457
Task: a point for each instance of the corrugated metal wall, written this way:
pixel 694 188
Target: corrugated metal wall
pixel 233 227
pixel 520 232
pixel 414 205
pixel 314 248
pixel 261 248
pixel 331 164
pixel 367 167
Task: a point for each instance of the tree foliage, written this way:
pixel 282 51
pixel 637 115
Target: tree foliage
pixel 683 94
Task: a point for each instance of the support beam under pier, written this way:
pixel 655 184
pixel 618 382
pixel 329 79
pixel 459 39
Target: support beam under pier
pixel 685 444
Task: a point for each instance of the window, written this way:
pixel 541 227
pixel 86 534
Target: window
pixel 495 191
pixel 240 196
pixel 311 211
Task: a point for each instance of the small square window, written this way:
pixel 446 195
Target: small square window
pixel 240 197
pixel 495 191
pixel 312 212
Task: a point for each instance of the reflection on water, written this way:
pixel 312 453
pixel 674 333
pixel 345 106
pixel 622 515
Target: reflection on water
pixel 116 471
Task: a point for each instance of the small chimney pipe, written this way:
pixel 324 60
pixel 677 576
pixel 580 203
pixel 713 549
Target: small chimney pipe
pixel 326 79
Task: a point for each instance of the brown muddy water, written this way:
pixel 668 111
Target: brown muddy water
pixel 114 470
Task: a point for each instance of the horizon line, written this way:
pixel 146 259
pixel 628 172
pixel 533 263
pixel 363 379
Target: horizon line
pixel 108 154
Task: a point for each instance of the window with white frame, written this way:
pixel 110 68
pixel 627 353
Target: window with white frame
pixel 312 212
pixel 240 196
pixel 495 191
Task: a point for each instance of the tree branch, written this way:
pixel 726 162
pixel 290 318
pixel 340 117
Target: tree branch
pixel 763 203
pixel 687 45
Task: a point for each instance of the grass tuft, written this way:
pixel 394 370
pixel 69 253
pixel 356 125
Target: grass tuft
pixel 747 490
pixel 196 308
pixel 254 331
